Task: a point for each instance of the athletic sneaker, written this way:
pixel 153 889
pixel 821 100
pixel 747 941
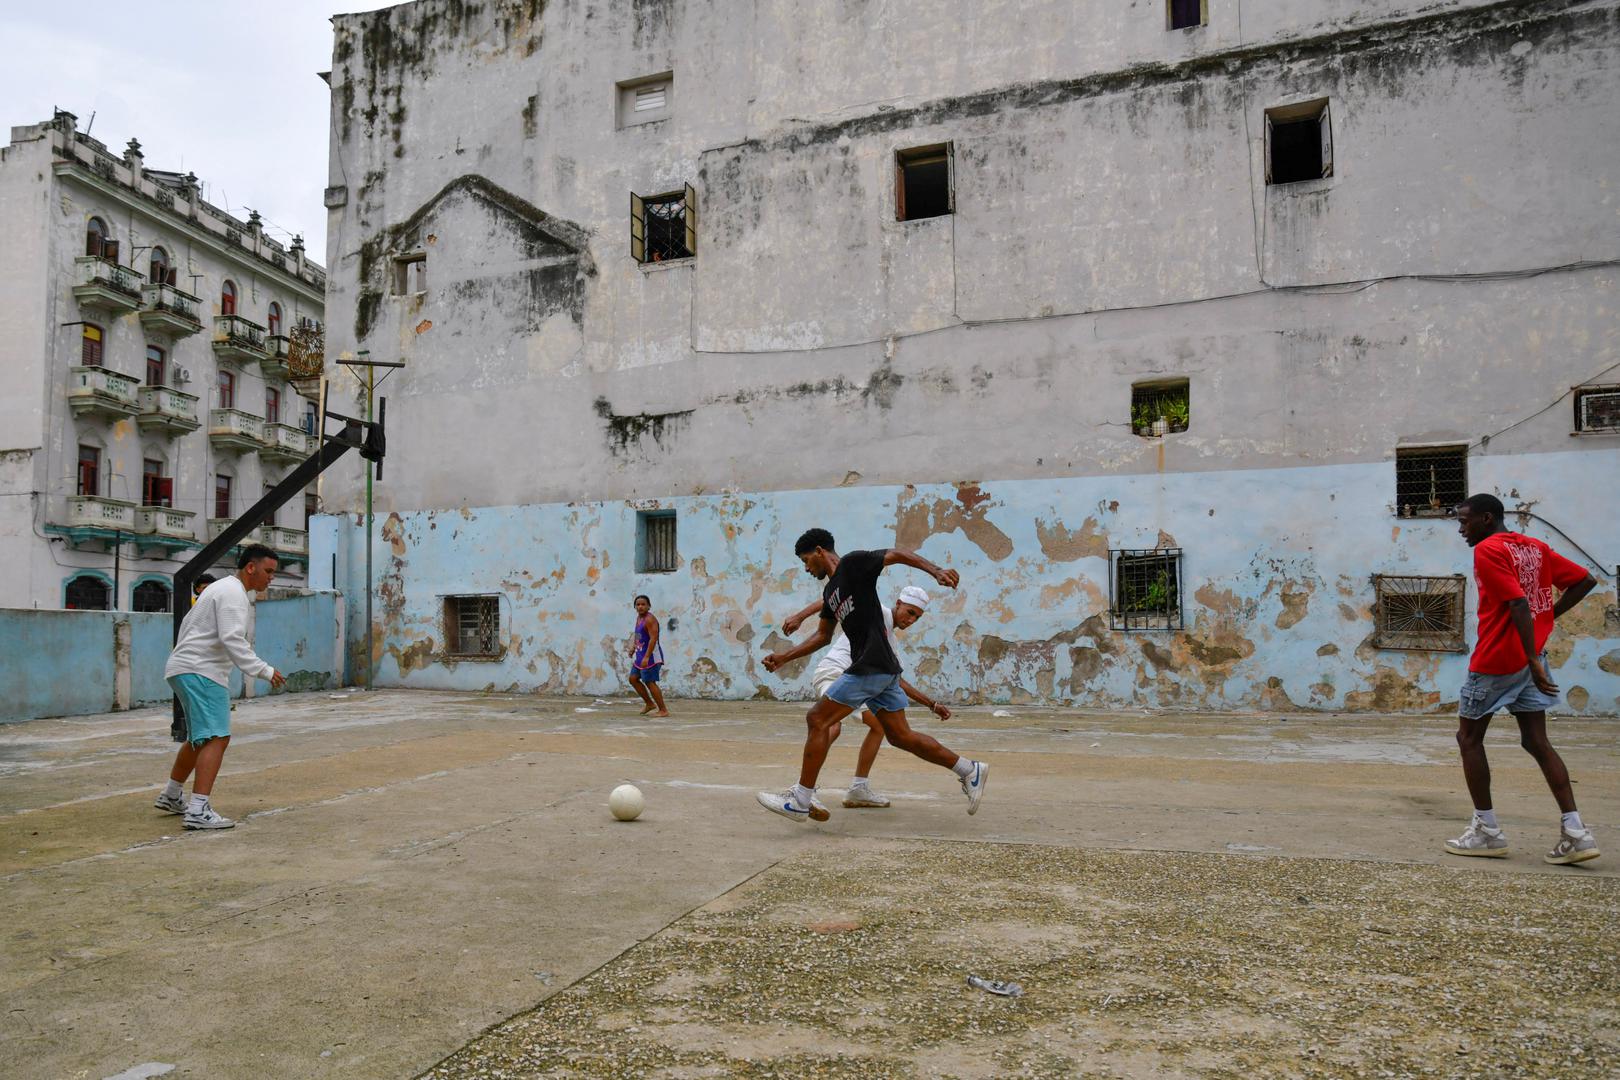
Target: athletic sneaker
pixel 1573 848
pixel 173 804
pixel 860 796
pixel 818 812
pixel 1480 839
pixel 208 818
pixel 784 804
pixel 973 785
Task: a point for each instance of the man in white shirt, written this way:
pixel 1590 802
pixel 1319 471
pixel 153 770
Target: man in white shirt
pixel 908 608
pixel 217 633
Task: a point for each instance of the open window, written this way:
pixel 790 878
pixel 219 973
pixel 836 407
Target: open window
pixel 158 270
pixel 663 227
pixel 89 470
pixel 96 238
pixel 1185 14
pixel 1430 480
pixel 156 489
pixel 1299 142
pixel 924 182
pixel 150 595
pixel 410 273
pixel 155 366
pixel 1144 589
pixel 1159 408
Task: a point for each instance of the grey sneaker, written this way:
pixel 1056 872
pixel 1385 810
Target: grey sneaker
pixel 973 785
pixel 173 804
pixel 1481 840
pixel 1573 848
pixel 207 818
pixel 861 796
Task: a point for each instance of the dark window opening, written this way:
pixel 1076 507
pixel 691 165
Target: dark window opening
pixel 312 506
pixel 156 489
pixel 311 418
pixel 655 542
pixel 272 319
pixel 923 183
pixel 1186 14
pixel 1299 143
pixel 150 596
pixel 227 298
pixel 159 272
pixel 472 626
pixel 272 405
pixel 1420 613
pixel 663 227
pixel 227 390
pixel 222 496
pixel 1597 409
pixel 1159 408
pixel 154 366
pixel 90 346
pixel 1430 481
pixel 85 593
pixel 1145 590
pixel 89 470
pixel 95 238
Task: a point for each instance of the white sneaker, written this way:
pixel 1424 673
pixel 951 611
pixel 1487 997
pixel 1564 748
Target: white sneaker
pixel 783 803
pixel 1481 840
pixel 818 812
pixel 860 796
pixel 1573 848
pixel 173 804
pixel 973 785
pixel 207 818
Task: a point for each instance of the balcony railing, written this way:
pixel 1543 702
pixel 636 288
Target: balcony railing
pixel 235 338
pixel 277 347
pixel 107 285
pixel 286 541
pixel 234 430
pixel 165 309
pixel 95 512
pixel 165 521
pixel 283 442
pixel 99 391
pixel 164 409
pixel 219 525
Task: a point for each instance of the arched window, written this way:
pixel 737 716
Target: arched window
pixel 87 593
pixel 227 298
pixel 150 596
pixel 95 237
pixel 90 345
pixel 160 266
pixel 154 366
pixel 272 321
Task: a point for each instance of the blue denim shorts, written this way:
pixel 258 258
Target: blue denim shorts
pixel 207 706
pixel 646 674
pixel 881 693
pixel 1484 695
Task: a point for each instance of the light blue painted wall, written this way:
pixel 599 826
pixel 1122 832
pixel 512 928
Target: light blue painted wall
pixel 1277 590
pixel 63 663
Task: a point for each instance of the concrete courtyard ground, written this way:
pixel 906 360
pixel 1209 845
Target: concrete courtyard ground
pixel 431 884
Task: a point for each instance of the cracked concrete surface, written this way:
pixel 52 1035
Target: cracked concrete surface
pixel 413 868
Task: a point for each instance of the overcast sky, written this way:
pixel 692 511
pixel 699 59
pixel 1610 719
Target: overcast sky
pixel 226 89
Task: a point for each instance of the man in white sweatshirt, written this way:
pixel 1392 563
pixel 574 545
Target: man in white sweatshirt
pixel 216 634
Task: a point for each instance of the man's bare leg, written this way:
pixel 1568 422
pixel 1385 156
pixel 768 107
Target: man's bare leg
pixel 972 774
pixel 209 756
pixel 869 745
pixel 1533 737
pixel 646 699
pixel 184 762
pixel 1476 769
pixel 658 696
pixel 825 715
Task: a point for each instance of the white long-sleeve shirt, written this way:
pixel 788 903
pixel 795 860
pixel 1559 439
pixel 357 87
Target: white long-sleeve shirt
pixel 217 633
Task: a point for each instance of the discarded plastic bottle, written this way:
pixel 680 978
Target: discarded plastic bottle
pixel 996 986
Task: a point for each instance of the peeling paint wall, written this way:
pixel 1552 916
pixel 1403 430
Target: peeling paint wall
pixel 963 383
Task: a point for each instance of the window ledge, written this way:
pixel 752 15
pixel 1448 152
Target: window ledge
pixel 666 264
pixel 457 658
pixel 1594 434
pixel 1304 187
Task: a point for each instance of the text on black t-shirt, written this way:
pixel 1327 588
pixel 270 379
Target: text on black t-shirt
pixel 851 600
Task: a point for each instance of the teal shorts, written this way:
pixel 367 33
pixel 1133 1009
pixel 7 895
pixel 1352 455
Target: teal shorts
pixel 207 706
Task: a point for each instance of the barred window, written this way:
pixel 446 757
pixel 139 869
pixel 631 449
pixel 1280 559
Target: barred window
pixel 1430 480
pixel 472 626
pixel 1144 589
pixel 1161 407
pixel 1419 613
pixel 663 227
pixel 150 596
pixel 655 542
pixel 1597 409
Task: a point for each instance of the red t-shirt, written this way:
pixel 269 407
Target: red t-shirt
pixel 1506 567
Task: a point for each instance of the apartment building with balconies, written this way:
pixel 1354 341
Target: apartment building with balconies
pixel 151 345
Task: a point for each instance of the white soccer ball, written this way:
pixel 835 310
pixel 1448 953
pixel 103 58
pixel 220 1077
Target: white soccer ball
pixel 626 802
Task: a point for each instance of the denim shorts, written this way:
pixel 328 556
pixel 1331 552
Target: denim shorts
pixel 881 693
pixel 1484 695
pixel 646 674
pixel 207 706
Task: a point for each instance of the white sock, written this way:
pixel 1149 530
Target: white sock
pixel 199 803
pixel 1572 822
pixel 859 781
pixel 963 768
pixel 802 795
pixel 172 789
pixel 1486 818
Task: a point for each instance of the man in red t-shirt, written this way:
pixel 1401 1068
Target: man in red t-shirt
pixel 1516 577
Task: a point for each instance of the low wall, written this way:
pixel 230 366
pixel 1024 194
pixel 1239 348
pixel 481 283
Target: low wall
pixel 75 663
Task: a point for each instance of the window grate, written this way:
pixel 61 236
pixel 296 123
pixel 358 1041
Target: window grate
pixel 85 593
pixel 1419 613
pixel 1144 589
pixel 1152 403
pixel 1430 481
pixel 657 542
pixel 150 596
pixel 1597 409
pixel 663 227
pixel 472 625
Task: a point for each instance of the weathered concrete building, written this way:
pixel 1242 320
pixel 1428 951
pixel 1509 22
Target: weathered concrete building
pixel 1175 327
pixel 146 336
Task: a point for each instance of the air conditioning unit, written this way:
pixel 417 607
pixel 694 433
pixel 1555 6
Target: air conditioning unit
pixel 182 374
pixel 1599 410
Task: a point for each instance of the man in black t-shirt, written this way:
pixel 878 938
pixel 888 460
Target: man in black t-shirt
pixel 872 679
